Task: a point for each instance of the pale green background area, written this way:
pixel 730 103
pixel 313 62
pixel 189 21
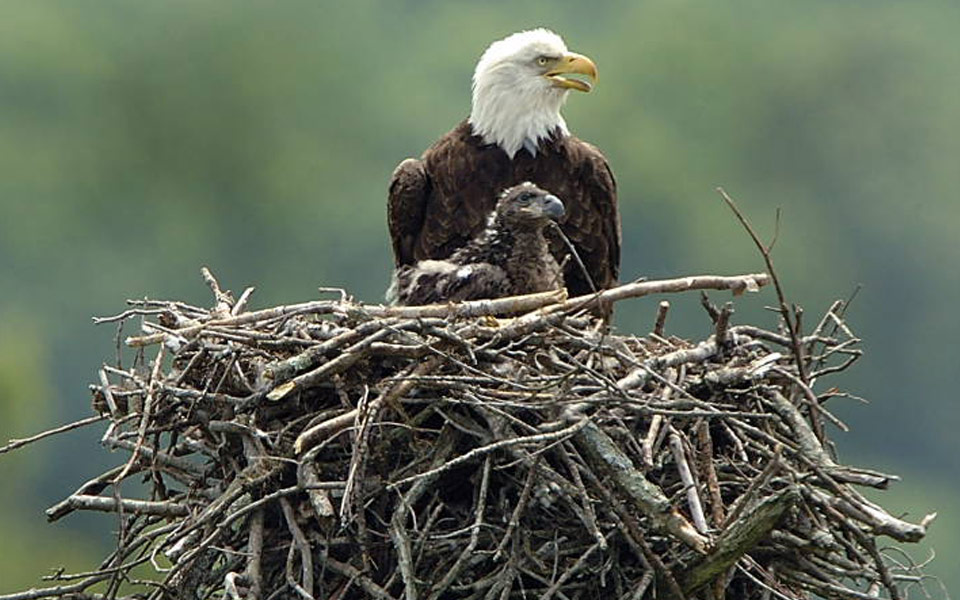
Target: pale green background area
pixel 139 141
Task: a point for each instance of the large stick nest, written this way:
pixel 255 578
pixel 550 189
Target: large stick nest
pixel 338 450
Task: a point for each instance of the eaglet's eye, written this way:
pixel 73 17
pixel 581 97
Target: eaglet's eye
pixel 525 198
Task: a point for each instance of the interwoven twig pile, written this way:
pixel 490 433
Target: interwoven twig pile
pixel 338 450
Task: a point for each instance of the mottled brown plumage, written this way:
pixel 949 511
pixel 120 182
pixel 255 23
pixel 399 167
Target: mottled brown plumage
pixel 510 256
pixel 439 202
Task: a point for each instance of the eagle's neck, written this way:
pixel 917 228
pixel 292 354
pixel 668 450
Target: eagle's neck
pixel 530 265
pixel 514 115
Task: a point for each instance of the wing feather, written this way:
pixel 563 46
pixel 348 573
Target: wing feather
pixel 610 228
pixel 593 223
pixel 406 206
pixel 432 281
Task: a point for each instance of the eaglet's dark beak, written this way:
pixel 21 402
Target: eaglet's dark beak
pixel 552 207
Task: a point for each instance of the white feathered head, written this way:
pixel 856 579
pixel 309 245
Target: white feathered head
pixel 519 86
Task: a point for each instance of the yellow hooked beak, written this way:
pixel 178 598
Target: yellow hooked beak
pixel 572 63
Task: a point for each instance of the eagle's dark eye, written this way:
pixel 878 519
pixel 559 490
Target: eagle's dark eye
pixel 525 198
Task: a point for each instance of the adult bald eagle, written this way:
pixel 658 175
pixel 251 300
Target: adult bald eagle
pixel 507 258
pixel 514 133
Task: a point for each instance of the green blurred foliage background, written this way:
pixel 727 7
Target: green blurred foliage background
pixel 141 140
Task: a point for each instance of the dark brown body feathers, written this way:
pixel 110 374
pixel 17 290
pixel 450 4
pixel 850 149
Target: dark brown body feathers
pixel 440 202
